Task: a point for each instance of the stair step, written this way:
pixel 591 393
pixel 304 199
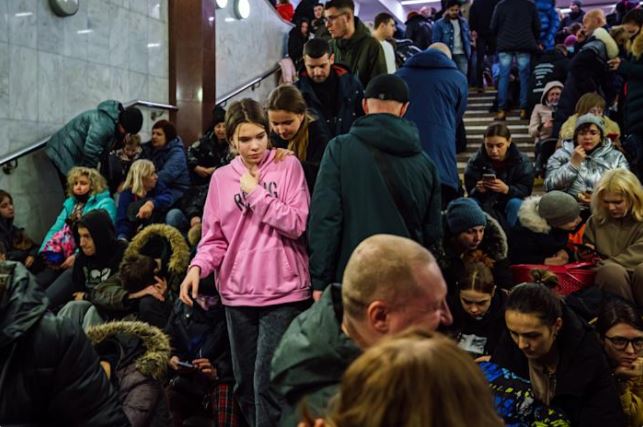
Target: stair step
pixel 512 127
pixel 524 147
pixel 490 118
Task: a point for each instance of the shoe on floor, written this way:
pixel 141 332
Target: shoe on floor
pixel 523 114
pixel 501 115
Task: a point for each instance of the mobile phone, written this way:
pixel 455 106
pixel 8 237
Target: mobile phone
pixel 185 365
pixel 488 176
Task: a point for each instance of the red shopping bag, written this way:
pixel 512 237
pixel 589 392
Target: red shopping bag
pixel 572 277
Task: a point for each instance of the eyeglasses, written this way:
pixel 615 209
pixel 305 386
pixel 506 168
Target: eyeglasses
pixel 621 343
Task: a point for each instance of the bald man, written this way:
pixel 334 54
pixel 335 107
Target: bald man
pixel 390 284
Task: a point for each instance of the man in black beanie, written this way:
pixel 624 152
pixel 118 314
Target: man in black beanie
pixel 91 134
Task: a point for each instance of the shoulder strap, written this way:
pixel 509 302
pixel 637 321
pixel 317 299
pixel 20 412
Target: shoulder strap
pixel 412 225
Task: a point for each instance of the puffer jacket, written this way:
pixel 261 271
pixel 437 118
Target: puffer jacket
pixel 138 355
pixel 443 32
pixel 549 21
pixel 541 113
pixel 171 166
pixel 49 372
pixel 97 201
pixel 419 30
pixel 83 140
pixel 562 175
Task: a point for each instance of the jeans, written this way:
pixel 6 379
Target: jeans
pixel 62 289
pixel 254 335
pixel 524 70
pixel 462 62
pixel 176 218
pixel 511 211
pixel 82 313
pixel 483 45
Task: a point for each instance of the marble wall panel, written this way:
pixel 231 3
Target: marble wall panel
pixel 100 21
pixel 118 40
pixel 4 80
pixel 50 87
pixel 50 30
pixel 23 18
pixel 4 21
pixel 77 32
pixel 23 83
pixel 137 45
pixel 157 48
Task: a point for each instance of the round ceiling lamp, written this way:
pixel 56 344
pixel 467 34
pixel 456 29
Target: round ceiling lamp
pixel 242 8
pixel 221 3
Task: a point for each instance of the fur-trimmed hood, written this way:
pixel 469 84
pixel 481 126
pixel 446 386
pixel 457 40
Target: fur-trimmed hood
pixel 180 258
pixel 494 243
pixel 637 46
pixel 611 47
pixel 529 217
pixel 153 361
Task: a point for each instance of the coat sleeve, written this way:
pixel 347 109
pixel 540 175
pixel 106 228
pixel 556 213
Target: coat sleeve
pixel 523 182
pixel 378 62
pixel 96 143
pixel 535 123
pixel 438 33
pixel 535 22
pixel 124 228
pixel 432 227
pixel 81 380
pixel 326 218
pixel 162 196
pixel 287 217
pixel 57 226
pixel 213 244
pixel 192 156
pixel 175 166
pixel 631 71
pixel 109 206
pixel 632 255
pixel 494 24
pixel 471 177
pixel 561 174
pixel 110 295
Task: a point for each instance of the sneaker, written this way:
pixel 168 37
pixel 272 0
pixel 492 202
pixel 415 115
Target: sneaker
pixel 523 114
pixel 501 115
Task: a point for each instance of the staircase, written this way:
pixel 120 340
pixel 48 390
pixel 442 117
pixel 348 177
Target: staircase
pixel 477 118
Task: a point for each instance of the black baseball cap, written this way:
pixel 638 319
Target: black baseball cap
pixel 387 87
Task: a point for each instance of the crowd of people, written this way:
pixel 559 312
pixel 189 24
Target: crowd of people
pixel 313 260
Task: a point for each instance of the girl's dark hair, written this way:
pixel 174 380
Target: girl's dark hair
pixel 289 98
pixel 497 129
pixel 634 16
pixel 477 275
pixel 584 127
pixel 245 111
pixel 615 312
pixel 168 129
pixel 137 272
pixel 536 299
pixel 5 195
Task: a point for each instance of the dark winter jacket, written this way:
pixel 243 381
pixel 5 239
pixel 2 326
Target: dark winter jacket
pixel 478 337
pixel 550 66
pixel 49 372
pixel 16 242
pixel 351 200
pixel 296 42
pixel 159 195
pixel 318 138
pixel 572 18
pixel 480 17
pixel 305 9
pixel 348 98
pixel 443 32
pixel 362 53
pixel 89 271
pixel 632 70
pixel 588 72
pixel 549 21
pixel 438 96
pixel 193 201
pixel 532 239
pixel 198 333
pixel 138 355
pixel 494 245
pixel 207 152
pixel 311 358
pixel 171 166
pixel 516 26
pixel 85 138
pixel 419 29
pixel 585 388
pixel 517 172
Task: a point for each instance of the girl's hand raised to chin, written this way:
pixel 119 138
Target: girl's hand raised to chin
pixel 250 180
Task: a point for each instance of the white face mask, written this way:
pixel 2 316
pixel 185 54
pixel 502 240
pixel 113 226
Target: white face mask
pixel 570 49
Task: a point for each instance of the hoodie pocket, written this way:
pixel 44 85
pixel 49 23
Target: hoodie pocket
pixel 262 272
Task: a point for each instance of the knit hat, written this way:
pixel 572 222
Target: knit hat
pixel 131 119
pixel 387 87
pixel 218 115
pixel 591 119
pixel 558 208
pixel 570 40
pixel 463 214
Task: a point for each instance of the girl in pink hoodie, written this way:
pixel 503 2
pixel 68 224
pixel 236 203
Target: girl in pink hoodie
pixel 253 240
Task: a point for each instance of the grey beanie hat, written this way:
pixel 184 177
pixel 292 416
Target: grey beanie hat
pixel 592 119
pixel 558 208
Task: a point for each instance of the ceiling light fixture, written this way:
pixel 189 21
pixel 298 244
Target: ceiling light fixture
pixel 242 9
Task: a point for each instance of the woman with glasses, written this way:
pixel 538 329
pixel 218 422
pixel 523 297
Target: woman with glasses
pixel 615 230
pixel 576 167
pixel 621 330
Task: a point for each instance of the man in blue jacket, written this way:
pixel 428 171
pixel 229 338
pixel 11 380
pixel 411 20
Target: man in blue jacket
pixel 453 31
pixel 438 97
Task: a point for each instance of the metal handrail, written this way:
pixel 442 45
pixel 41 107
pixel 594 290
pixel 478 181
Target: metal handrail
pixel 251 84
pixel 15 155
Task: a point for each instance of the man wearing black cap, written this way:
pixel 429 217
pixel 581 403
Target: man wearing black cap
pixel 84 139
pixel 374 179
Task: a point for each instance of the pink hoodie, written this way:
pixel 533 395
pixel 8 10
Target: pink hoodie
pixel 254 242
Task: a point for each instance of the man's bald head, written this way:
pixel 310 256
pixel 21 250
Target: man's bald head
pixel 592 20
pixel 442 48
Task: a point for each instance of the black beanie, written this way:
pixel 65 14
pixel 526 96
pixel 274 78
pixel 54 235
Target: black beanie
pixel 131 119
pixel 218 115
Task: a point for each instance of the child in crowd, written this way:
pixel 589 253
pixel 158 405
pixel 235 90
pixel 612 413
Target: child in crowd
pixel 253 227
pixel 542 232
pixel 621 330
pixel 499 176
pixel 18 245
pixel 87 191
pixel 295 128
pixel 546 342
pixel 144 199
pixel 576 167
pixel 615 230
pixel 478 307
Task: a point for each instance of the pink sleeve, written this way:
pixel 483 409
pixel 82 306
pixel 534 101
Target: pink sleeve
pixel 213 244
pixel 289 216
